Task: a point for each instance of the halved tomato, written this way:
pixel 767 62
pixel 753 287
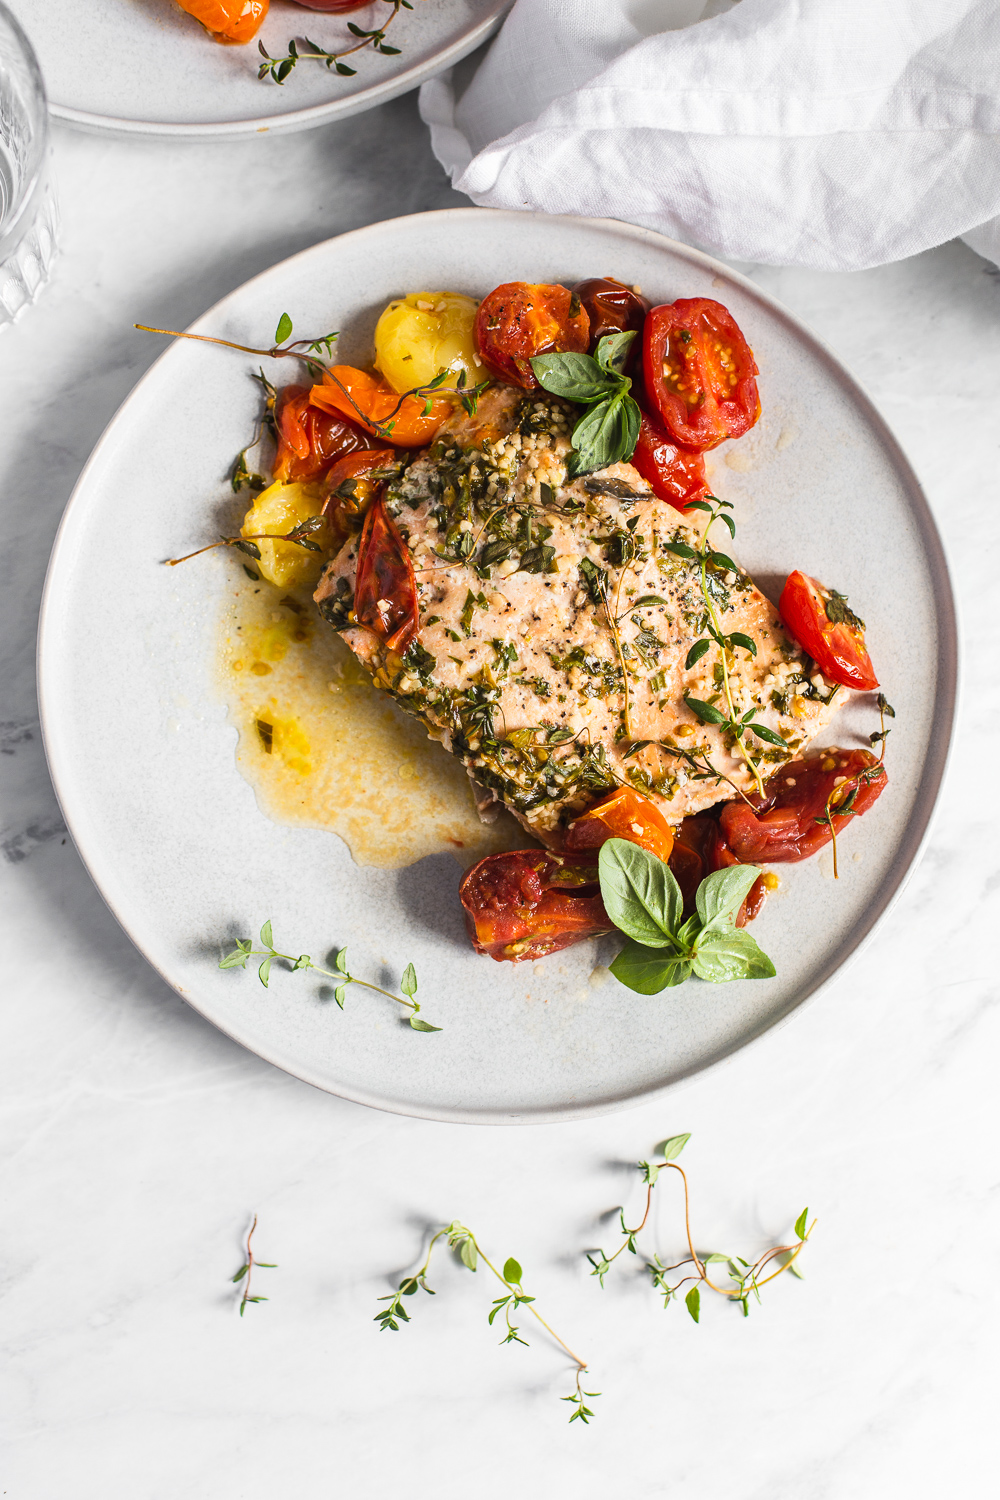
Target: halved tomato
pixel 621 814
pixel 675 474
pixel 790 823
pixel 526 903
pixel 376 407
pixel 519 320
pixel 310 439
pixel 385 591
pixel 234 21
pixel 700 374
pixel 833 635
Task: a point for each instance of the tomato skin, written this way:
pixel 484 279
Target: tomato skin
pixel 675 474
pixel 526 903
pixel 782 827
pixel 613 307
pixel 700 373
pixel 836 646
pixel 700 850
pixel 365 399
pixel 385 577
pixel 310 439
pixel 353 482
pixel 230 21
pixel 521 319
pixel 621 814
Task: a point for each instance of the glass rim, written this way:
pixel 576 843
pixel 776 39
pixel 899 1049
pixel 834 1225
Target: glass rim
pixel 14 223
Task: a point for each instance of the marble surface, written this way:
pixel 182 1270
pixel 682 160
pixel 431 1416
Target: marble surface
pixel 137 1142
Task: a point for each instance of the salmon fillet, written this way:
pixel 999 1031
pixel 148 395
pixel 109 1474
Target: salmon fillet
pixel 555 624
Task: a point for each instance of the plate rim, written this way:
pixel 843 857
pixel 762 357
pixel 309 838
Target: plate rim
pixel 934 770
pixel 289 121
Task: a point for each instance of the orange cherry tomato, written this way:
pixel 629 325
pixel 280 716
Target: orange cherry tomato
pixel 700 374
pixel 622 814
pixel 526 903
pixel 232 21
pixel 374 405
pixel 385 590
pixel 789 823
pixel 519 320
pixel 309 439
pixel 675 474
pixel 834 637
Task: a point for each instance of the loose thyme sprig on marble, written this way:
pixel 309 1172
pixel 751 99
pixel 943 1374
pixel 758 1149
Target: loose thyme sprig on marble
pixel 246 1271
pixel 278 68
pixel 244 951
pixel 745 1279
pixel 462 1240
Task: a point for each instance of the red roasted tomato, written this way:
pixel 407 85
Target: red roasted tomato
pixel 612 307
pixel 354 481
pixel 700 374
pixel 519 320
pixel 310 439
pixel 385 590
pixel 790 822
pixel 527 903
pixel 834 637
pixel 675 474
pixel 700 850
pixel 622 814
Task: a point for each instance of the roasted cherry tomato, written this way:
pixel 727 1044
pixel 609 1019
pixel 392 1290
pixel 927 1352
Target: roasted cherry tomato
pixel 527 903
pixel 675 474
pixel 366 400
pixel 834 637
pixel 385 590
pixel 613 307
pixel 310 439
pixel 520 320
pixel 354 482
pixel 790 822
pixel 234 21
pixel 700 850
pixel 699 373
pixel 622 814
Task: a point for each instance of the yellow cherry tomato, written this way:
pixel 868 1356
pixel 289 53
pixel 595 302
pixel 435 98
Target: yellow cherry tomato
pixel 424 333
pixel 276 512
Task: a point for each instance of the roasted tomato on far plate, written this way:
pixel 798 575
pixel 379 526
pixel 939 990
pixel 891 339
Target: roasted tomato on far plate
pixel 521 319
pixel 527 903
pixel 790 822
pixel 834 637
pixel 675 474
pixel 700 374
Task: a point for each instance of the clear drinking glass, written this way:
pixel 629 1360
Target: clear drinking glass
pixel 28 215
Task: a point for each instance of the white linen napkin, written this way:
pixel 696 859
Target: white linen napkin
pixel 837 134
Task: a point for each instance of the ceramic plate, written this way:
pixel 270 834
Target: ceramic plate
pixel 143 754
pixel 145 67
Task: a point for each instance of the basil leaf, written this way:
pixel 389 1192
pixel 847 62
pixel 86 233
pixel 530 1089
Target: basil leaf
pixel 721 894
pixel 575 377
pixel 612 350
pixel 721 957
pixel 800 1224
pixel 606 434
pixel 672 1148
pixel 640 893
pixel 647 971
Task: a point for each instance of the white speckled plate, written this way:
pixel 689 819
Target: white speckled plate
pixel 142 754
pixel 145 67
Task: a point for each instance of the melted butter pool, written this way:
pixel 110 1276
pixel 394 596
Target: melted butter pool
pixel 321 747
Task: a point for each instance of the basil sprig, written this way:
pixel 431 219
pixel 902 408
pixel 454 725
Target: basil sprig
pixel 609 429
pixel 643 899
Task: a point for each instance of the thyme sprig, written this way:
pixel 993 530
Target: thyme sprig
pixel 462 1240
pixel 708 557
pixel 239 956
pixel 278 68
pixel 245 1271
pixel 299 536
pixel 745 1279
pixel 304 349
